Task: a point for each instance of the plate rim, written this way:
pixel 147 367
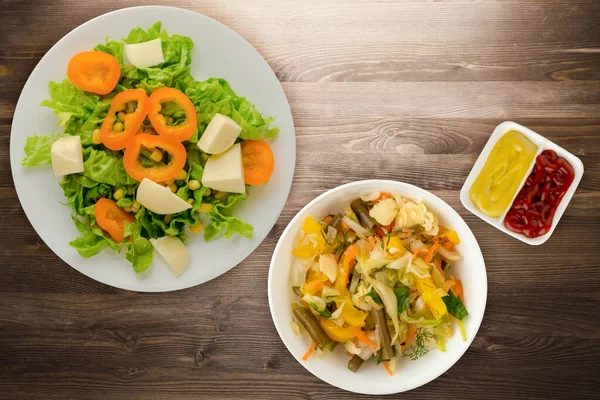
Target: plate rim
pixel 286 189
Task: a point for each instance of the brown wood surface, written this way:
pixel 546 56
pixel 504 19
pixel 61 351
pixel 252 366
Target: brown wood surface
pixel 397 90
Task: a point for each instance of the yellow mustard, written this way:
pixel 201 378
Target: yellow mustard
pixel 500 177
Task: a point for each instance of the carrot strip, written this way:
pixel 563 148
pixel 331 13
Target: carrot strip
pixel 310 351
pixel 418 252
pixel 382 196
pixel 431 252
pixel 351 252
pixel 386 364
pixel 438 265
pixel 410 336
pixel 327 219
pixel 363 338
pixel 458 290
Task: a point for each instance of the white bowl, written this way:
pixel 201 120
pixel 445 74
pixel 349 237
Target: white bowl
pixel 372 379
pixel 542 144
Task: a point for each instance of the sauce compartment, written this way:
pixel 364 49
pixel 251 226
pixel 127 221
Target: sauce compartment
pixel 542 144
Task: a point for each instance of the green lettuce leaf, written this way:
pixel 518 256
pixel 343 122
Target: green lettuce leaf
pixel 139 249
pixel 113 48
pixel 68 101
pixel 93 240
pixel 139 35
pixel 221 221
pixel 82 193
pixel 105 166
pixel 173 72
pixel 93 121
pixel 216 96
pixel 37 149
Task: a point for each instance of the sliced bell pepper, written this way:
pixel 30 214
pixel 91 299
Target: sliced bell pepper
pixel 180 132
pixel 117 140
pixel 156 173
pixel 315 282
pixel 427 289
pixel 316 276
pixel 112 218
pixel 94 71
pixel 351 315
pixel 340 334
pixel 309 250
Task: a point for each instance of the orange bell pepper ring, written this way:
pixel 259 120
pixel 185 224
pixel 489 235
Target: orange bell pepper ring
pixel 180 132
pixel 159 172
pixel 94 71
pixel 116 134
pixel 112 218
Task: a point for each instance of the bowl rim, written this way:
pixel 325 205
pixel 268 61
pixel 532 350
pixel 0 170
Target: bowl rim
pixel 279 326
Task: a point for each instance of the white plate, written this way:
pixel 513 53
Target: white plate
pixel 218 52
pixel 372 379
pixel 542 144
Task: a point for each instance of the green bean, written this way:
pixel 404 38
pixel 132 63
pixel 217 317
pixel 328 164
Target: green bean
pixel 355 363
pixel 362 213
pixel 335 222
pixel 296 290
pixel 387 350
pixel 310 323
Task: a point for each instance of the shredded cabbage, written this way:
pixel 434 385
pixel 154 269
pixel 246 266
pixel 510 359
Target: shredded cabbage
pixel 413 213
pixel 388 297
pixel 298 272
pixel 328 266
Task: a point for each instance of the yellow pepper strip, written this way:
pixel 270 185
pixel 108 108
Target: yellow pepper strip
pixel 427 290
pixel 351 315
pixel 310 250
pixel 452 236
pixel 338 333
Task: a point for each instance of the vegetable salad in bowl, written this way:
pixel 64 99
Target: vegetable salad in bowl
pixel 148 153
pixel 378 281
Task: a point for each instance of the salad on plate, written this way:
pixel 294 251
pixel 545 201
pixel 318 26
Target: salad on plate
pixel 147 153
pixel 378 280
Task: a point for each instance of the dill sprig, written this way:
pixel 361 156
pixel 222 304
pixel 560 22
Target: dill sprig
pixel 339 244
pixel 418 350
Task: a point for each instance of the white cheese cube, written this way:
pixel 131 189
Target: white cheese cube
pixel 67 156
pixel 160 199
pixel 225 171
pixel 146 54
pixel 219 135
pixel 174 252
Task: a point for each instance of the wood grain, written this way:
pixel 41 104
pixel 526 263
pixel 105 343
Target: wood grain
pixel 388 89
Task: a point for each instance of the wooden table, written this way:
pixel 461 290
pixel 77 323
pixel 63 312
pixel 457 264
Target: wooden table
pixel 392 90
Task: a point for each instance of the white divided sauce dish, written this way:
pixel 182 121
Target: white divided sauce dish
pixel 542 144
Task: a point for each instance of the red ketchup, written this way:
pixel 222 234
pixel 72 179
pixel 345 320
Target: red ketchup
pixel 532 211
